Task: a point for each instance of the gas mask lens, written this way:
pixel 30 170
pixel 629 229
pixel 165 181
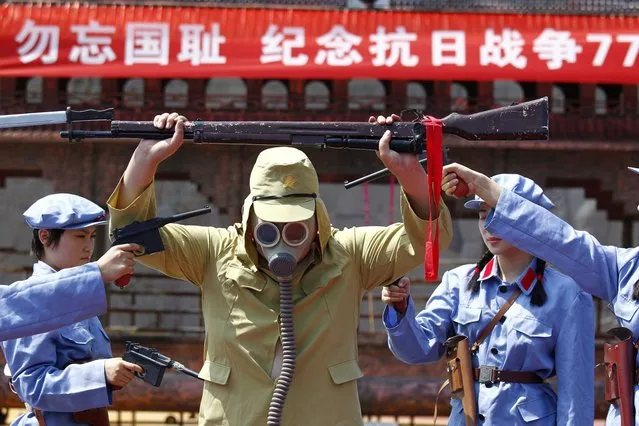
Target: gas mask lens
pixel 267 234
pixel 294 234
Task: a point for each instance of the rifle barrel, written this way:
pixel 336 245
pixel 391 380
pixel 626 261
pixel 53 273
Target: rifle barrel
pixel 406 137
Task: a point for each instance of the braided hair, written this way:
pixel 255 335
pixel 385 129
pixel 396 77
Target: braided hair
pixel 538 295
pixel 635 291
pixel 473 284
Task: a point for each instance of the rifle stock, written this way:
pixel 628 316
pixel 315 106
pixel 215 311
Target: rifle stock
pixel 524 121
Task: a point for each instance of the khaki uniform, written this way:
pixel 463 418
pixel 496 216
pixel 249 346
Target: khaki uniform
pixel 240 304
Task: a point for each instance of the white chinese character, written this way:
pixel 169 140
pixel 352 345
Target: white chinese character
pixel 146 43
pixel 38 39
pixel 200 47
pixel 92 50
pixel 338 44
pixel 502 50
pixel 276 47
pixel 556 47
pixel 449 48
pixel 398 43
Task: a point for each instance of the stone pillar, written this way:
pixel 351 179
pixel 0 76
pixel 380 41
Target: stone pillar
pixel 296 94
pixel 397 98
pixel 587 99
pixel 439 101
pixel 485 98
pixel 340 97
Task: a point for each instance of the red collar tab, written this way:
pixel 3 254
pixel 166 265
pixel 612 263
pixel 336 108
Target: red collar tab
pixel 489 271
pixel 526 283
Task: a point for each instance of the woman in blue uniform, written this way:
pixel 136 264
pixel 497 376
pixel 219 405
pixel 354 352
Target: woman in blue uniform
pixel 548 330
pixel 51 292
pixel 65 377
pixel 608 272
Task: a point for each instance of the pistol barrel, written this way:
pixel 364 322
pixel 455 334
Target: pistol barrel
pixel 183 216
pixel 373 176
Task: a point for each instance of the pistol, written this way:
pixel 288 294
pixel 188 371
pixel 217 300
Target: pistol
pixel 153 362
pixel 147 235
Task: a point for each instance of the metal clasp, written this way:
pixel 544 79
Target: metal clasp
pixel 486 374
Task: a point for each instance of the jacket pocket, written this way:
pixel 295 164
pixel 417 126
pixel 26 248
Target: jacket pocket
pixel 244 277
pixel 531 327
pixel 624 308
pixel 77 335
pixel 536 409
pixel 345 372
pixel 215 372
pixel 466 315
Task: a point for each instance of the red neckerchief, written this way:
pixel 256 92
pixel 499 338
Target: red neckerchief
pixel 435 163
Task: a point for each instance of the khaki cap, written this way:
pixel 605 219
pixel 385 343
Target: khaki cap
pixel 283 185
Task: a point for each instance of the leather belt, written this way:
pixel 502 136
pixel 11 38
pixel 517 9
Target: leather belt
pixel 488 374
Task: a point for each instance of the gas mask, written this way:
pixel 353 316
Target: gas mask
pixel 283 245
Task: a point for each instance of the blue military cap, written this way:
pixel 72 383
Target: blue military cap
pixel 521 186
pixel 64 211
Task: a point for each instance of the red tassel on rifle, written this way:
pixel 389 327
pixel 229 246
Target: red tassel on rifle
pixel 435 163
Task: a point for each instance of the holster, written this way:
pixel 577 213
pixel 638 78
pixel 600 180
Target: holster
pixel 619 362
pixel 92 417
pixel 460 375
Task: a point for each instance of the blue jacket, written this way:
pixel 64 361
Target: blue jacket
pixel 604 271
pixel 554 339
pixel 40 303
pixel 45 377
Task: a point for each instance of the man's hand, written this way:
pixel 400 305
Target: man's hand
pixel 118 261
pixel 119 373
pixel 405 167
pixel 148 155
pixel 455 174
pixel 157 151
pixel 396 294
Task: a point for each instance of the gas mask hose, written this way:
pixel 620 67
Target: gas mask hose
pixel 287 334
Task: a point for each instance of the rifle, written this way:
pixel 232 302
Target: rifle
pixel 525 121
pixel 147 235
pixel 153 362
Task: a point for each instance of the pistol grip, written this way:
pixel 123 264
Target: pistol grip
pixel 123 281
pixel 462 189
pixel 401 306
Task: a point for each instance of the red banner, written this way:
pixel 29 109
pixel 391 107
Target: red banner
pixel 166 42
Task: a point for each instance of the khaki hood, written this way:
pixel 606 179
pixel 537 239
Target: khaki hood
pixel 284 188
